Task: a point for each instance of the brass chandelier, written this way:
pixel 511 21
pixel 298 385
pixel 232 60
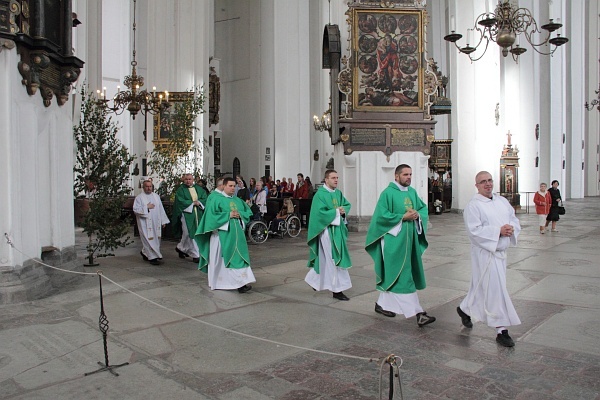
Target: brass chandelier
pixel 503 27
pixel 324 123
pixel 135 99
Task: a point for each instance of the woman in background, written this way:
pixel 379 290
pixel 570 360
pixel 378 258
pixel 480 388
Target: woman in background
pixel 543 201
pixel 556 201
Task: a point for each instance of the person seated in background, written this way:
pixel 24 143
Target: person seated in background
pixel 252 187
pixel 258 203
pixel 301 191
pixel 283 185
pixel 311 188
pixel 290 186
pixel 278 223
pixel 273 192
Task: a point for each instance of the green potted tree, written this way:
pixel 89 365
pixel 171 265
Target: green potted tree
pixel 101 170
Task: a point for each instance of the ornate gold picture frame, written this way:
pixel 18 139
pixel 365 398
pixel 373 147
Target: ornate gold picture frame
pixel 388 60
pixel 162 123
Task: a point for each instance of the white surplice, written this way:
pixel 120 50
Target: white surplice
pixel 488 299
pixel 150 222
pixel 330 277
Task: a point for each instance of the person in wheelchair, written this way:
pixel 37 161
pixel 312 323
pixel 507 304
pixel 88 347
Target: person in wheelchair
pixel 278 225
pixel 258 202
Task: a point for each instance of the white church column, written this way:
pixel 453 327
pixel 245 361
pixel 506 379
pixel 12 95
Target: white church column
pixel 291 59
pixel 592 126
pixel 475 93
pixel 576 93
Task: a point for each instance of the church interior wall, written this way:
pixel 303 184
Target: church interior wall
pixel 592 121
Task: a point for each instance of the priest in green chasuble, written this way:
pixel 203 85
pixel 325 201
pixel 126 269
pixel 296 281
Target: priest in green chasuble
pixel 187 211
pixel 222 241
pixel 329 259
pixel 396 241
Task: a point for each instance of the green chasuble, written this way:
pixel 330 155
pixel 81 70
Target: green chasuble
pixel 234 248
pixel 400 268
pixel 184 197
pixel 322 214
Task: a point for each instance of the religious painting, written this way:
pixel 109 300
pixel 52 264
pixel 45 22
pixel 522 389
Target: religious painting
pixel 388 70
pixel 163 120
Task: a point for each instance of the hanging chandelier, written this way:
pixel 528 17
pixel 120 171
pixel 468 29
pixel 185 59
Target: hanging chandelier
pixel 324 123
pixel 504 27
pixel 135 99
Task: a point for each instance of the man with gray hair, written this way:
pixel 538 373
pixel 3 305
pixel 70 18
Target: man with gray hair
pixel 492 228
pixel 190 200
pixel 151 220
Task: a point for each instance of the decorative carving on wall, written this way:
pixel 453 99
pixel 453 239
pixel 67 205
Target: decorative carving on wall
pixel 42 32
pixel 214 97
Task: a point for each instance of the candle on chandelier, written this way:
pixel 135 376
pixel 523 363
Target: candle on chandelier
pixel 452 23
pixel 468 36
pixel 118 89
pixel 104 92
pixel 98 93
pixel 487 6
pixel 154 90
pixel 166 96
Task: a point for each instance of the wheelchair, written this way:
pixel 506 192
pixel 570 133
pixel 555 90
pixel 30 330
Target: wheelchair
pixel 257 230
pixel 290 226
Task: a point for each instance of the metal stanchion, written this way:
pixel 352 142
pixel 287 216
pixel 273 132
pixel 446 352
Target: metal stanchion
pixel 103 324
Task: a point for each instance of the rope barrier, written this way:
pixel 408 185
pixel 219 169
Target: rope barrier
pixel 390 359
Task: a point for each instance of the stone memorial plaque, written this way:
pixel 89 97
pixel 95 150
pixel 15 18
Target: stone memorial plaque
pixel 367 136
pixel 408 137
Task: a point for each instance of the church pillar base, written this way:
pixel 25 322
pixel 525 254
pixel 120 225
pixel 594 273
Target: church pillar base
pixel 32 281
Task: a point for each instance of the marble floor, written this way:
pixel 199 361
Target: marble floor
pixel 47 345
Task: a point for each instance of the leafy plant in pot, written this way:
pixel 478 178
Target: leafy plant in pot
pixel 101 171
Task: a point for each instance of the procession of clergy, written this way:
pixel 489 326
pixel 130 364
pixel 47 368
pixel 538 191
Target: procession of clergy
pixel 213 234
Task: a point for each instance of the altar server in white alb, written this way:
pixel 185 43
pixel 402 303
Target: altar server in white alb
pixel 151 220
pixel 492 228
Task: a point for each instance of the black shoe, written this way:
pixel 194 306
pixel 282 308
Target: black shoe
pixel 381 311
pixel 143 256
pixel 154 261
pixel 196 260
pixel 466 320
pixel 424 319
pixel 181 253
pixel 244 289
pixel 504 340
pixel 340 296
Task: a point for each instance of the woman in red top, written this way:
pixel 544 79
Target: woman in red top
pixel 542 201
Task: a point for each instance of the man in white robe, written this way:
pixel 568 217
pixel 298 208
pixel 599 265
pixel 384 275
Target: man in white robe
pixel 492 227
pixel 151 220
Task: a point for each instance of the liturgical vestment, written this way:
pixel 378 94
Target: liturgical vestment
pixel 488 300
pixel 222 243
pixel 396 247
pixel 150 222
pixel 329 259
pixel 186 216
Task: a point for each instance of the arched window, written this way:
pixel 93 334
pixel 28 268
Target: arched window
pixel 236 167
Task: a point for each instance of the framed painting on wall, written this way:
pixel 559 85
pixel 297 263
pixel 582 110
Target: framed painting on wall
pixel 388 52
pixel 163 122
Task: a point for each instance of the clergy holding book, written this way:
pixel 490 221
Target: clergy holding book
pixel 221 239
pixel 188 208
pixel 396 241
pixel 151 220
